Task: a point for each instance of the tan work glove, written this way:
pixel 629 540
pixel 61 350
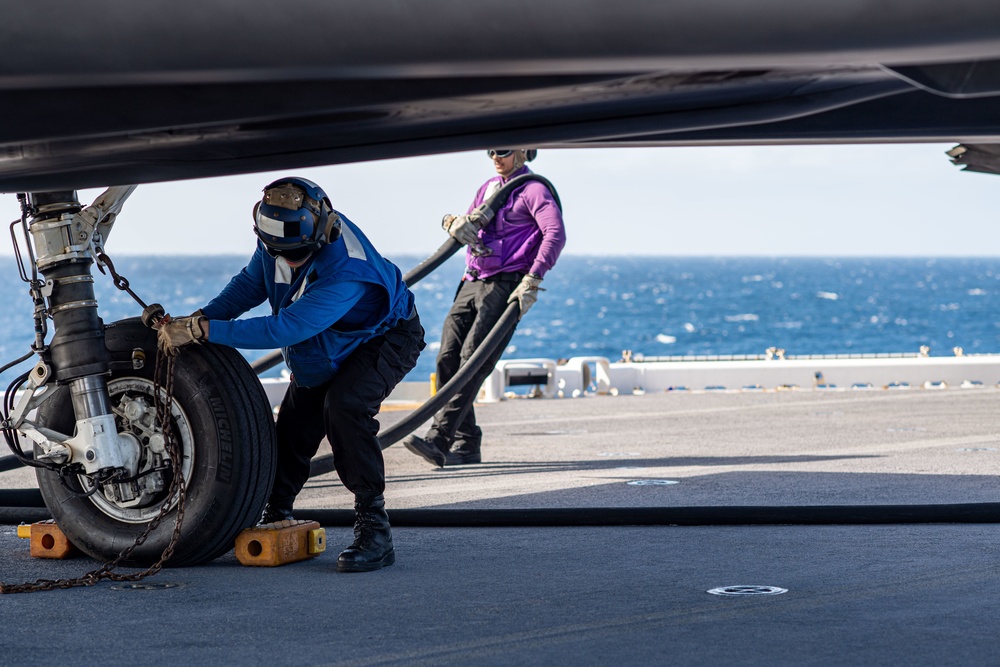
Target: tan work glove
pixel 177 333
pixel 526 293
pixel 463 228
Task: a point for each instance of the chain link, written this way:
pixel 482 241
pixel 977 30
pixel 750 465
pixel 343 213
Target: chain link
pixel 120 281
pixel 164 368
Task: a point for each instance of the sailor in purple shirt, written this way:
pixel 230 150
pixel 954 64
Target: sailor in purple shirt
pixel 506 261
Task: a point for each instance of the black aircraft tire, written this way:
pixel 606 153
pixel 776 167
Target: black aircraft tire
pixel 231 425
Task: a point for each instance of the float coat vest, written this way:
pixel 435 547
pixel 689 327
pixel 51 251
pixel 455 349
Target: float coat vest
pixel 313 358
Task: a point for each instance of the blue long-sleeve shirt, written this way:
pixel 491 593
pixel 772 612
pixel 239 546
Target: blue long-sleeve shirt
pixel 343 296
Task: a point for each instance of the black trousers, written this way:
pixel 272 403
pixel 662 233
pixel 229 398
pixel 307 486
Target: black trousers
pixel 344 410
pixel 477 307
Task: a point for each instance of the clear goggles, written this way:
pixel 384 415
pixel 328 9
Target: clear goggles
pixel 285 196
pixel 291 254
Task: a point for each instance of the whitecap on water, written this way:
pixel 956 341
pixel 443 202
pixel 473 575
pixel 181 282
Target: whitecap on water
pixel 689 327
pixel 743 317
pixel 665 339
pixel 832 296
pixel 976 292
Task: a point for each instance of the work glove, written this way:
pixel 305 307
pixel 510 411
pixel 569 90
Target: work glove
pixel 526 293
pixel 463 228
pixel 175 334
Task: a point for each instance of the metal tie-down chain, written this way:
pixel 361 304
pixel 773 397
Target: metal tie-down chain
pixel 178 485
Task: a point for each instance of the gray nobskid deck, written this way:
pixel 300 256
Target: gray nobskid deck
pixel 857 594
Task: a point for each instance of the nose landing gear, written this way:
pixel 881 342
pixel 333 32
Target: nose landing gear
pixel 223 424
pixel 101 457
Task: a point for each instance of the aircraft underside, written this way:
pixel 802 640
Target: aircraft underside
pixel 96 94
pixel 165 92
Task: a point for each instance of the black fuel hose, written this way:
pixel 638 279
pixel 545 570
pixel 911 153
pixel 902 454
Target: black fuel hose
pixel 11 462
pixel 412 277
pixel 486 349
pixel 488 209
pixel 806 515
pixel 465 374
pixel 397 432
pixel 421 270
pixel 25 506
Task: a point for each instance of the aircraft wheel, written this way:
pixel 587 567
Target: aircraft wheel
pixel 225 427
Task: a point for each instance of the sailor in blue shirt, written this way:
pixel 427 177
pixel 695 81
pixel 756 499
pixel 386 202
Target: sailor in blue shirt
pixel 349 331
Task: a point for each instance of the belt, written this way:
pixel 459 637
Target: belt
pixel 403 320
pixel 507 275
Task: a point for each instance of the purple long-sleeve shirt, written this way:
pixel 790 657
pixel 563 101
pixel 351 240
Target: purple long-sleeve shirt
pixel 527 234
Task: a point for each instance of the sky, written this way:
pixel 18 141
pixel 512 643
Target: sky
pixel 829 201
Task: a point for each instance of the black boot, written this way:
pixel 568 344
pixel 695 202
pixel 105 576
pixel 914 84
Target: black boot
pixel 372 548
pixel 274 513
pixel 427 450
pixel 462 453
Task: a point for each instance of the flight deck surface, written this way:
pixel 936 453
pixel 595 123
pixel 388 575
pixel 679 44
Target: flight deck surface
pixel 911 593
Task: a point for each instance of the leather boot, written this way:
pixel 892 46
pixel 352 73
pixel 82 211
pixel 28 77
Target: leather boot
pixel 428 451
pixel 372 548
pixel 462 453
pixel 274 513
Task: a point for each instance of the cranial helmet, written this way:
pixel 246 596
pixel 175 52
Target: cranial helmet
pixel 295 218
pixel 524 154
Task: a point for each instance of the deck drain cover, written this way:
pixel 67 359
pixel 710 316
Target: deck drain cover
pixel 652 482
pixel 143 586
pixel 748 590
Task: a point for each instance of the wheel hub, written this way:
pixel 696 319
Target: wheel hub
pixel 139 497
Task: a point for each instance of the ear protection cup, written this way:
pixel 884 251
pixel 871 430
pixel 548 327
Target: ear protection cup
pixel 332 230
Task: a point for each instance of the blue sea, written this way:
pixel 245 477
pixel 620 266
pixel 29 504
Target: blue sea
pixel 654 306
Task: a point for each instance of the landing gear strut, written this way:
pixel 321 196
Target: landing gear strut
pixel 102 465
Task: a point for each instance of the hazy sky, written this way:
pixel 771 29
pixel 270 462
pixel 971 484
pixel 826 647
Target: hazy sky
pixel 875 200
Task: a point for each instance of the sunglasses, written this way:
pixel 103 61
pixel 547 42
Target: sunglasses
pixel 499 152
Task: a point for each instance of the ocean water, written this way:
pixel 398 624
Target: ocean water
pixel 654 306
